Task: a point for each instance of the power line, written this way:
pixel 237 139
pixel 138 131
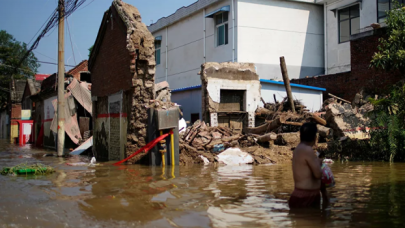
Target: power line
pixel 71 45
pixel 69 7
pixel 53 63
pixel 73 39
pixel 45 55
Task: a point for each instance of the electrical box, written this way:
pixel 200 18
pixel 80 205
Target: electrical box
pixel 167 119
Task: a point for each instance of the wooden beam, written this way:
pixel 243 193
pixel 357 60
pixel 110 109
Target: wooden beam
pixel 294 123
pixel 286 80
pixel 336 97
pixel 318 119
pixel 267 137
pixel 264 103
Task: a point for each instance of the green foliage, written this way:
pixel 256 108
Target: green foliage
pixel 90 49
pixel 391 51
pixel 389 112
pixel 11 52
pixel 388 120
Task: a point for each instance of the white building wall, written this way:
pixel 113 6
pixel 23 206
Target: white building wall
pixel 268 29
pixel 338 54
pixel 185 44
pixel 190 101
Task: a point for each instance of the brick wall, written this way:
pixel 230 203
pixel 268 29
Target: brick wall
pixel 361 76
pixel 16 111
pixel 75 72
pixel 110 71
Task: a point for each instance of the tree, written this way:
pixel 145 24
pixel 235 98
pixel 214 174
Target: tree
pixel 90 49
pixel 391 51
pixel 389 111
pixel 11 52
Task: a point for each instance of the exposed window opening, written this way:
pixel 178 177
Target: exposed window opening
pixel 158 44
pixel 231 100
pixel 194 117
pixel 349 22
pixel 221 25
pixel 85 77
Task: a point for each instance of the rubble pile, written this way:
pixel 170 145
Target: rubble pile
pixel 276 133
pixel 200 139
pixel 162 92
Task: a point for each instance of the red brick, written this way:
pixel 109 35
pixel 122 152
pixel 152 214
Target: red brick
pixel 361 76
pixel 107 78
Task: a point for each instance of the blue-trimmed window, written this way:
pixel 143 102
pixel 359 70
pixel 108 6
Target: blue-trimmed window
pixel 383 6
pixel 349 22
pixel 221 25
pixel 158 44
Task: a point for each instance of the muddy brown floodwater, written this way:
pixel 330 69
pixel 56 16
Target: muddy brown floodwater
pixel 366 195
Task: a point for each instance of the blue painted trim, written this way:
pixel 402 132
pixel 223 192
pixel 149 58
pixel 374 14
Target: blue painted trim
pixel 186 88
pixel 293 85
pixel 222 9
pixel 158 38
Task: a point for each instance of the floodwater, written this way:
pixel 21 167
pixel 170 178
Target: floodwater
pixel 366 195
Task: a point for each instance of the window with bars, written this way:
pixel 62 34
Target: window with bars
pixel 157 51
pixel 221 24
pixel 349 22
pixel 383 6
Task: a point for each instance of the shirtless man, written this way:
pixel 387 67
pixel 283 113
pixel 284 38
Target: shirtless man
pixel 306 171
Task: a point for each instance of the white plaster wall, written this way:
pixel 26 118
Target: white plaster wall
pixel 268 29
pixel 338 55
pixel 185 40
pixel 310 98
pixel 190 101
pixel 252 88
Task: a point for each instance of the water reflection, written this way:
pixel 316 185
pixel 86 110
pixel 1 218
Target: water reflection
pixel 366 195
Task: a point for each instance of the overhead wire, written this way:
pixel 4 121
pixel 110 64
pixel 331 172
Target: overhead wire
pixel 70 6
pixel 54 63
pixel 73 39
pixel 45 55
pixel 71 44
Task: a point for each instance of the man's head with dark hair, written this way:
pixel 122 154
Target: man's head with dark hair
pixel 308 132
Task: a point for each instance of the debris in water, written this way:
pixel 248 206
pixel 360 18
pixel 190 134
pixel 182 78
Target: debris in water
pixel 234 156
pixel 206 161
pixel 24 168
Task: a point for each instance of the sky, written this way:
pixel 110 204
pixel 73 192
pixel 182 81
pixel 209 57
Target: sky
pixel 24 18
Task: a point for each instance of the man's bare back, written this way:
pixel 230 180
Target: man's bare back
pixel 306 168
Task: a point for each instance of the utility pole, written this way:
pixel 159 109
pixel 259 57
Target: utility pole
pixel 61 78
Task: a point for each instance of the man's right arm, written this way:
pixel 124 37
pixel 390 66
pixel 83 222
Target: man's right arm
pixel 314 164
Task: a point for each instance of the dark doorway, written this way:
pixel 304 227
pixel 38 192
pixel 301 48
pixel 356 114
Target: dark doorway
pixel 194 117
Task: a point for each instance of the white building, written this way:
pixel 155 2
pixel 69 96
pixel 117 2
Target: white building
pixel 254 31
pixel 313 35
pixel 343 18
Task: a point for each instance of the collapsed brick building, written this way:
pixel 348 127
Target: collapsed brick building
pixel 362 76
pixel 122 64
pixel 230 94
pixel 43 112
